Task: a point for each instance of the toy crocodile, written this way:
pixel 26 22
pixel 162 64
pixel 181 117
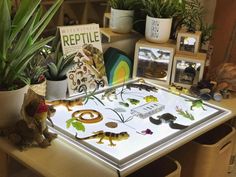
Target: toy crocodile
pixel 142 87
pixel 196 104
pixel 106 135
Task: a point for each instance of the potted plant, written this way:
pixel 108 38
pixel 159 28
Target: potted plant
pixel 19 40
pixel 159 18
pixel 36 69
pixel 122 13
pixel 56 75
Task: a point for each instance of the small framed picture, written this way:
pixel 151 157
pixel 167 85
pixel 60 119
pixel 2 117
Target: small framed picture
pixel 188 69
pixel 153 61
pixel 188 42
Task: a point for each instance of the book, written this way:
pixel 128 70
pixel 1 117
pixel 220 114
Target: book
pixel 88 74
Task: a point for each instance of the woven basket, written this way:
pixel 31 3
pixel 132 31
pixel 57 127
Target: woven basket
pixel 40 89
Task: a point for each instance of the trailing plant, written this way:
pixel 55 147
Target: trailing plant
pixel 123 4
pixel 185 114
pixel 20 39
pixel 162 8
pixel 121 117
pixel 59 64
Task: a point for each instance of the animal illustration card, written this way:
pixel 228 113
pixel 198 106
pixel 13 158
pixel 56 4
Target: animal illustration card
pixel 88 73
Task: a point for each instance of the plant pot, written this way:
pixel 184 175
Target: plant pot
pixel 40 89
pixel 158 29
pixel 121 20
pixel 56 90
pixel 11 102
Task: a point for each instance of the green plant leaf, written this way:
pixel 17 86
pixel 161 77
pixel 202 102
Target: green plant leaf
pixel 44 21
pixel 5 25
pixel 69 121
pixel 78 126
pixel 53 71
pixel 26 9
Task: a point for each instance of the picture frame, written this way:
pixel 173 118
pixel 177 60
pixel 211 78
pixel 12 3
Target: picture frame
pixel 188 69
pixel 153 61
pixel 188 42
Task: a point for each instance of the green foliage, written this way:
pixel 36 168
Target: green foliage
pixel 59 64
pixel 192 15
pixel 36 68
pixel 162 8
pixel 207 31
pixel 19 39
pixel 75 123
pixel 123 4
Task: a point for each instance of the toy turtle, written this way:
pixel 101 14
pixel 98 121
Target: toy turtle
pixel 167 118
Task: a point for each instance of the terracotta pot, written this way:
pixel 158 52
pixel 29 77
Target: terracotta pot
pixel 56 90
pixel 11 102
pixel 121 20
pixel 158 29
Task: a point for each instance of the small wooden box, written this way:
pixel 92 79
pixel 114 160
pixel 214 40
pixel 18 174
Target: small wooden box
pixel 188 69
pixel 153 61
pixel 188 42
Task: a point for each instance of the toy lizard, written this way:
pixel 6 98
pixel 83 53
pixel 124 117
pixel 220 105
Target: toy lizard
pixel 196 104
pixel 106 135
pixel 142 87
pixel 67 103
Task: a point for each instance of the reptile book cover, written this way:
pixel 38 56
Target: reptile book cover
pixel 88 73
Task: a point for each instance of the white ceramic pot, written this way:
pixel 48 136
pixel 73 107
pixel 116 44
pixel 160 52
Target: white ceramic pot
pixel 121 20
pixel 158 29
pixel 11 102
pixel 56 90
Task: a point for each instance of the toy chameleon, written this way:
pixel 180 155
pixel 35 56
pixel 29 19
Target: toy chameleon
pixel 106 135
pixel 197 104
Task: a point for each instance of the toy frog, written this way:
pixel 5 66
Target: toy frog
pixel 197 104
pixel 150 98
pixel 133 101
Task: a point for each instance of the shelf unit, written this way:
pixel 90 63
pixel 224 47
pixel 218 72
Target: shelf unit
pixel 74 12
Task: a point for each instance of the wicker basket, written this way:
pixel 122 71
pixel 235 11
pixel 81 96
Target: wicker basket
pixel 39 88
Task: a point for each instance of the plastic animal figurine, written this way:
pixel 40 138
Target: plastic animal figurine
pixel 197 104
pixel 150 98
pixel 133 101
pixel 67 103
pixel 106 135
pixel 32 129
pixel 108 93
pixel 142 87
pixel 167 118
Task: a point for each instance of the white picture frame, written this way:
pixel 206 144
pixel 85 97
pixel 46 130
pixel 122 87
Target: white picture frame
pixel 153 61
pixel 188 69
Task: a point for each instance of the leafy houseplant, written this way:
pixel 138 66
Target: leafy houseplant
pixel 159 18
pixel 58 66
pixel 19 41
pixel 122 13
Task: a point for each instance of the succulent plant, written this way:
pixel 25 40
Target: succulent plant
pixel 20 39
pixel 59 64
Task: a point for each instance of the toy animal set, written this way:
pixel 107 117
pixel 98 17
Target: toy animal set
pixel 119 122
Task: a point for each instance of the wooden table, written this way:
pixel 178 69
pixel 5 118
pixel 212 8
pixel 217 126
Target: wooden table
pixel 62 159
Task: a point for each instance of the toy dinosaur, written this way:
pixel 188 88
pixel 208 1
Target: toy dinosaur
pixel 32 129
pixel 196 104
pixel 67 103
pixel 106 135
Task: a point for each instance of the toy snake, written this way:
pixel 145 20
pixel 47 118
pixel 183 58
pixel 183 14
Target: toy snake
pixel 94 116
